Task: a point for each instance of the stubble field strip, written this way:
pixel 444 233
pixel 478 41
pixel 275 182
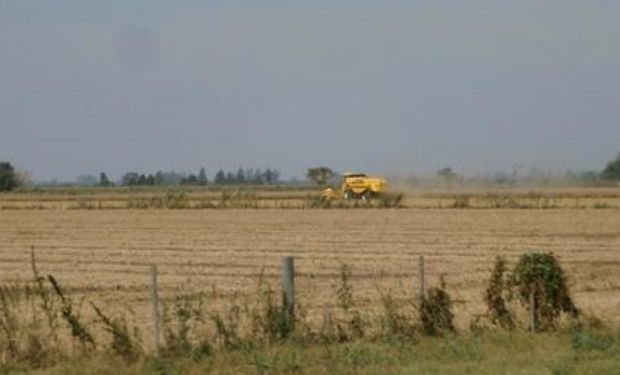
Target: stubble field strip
pixel 218 197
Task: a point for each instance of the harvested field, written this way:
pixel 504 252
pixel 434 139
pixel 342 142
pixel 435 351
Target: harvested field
pixel 104 255
pixel 217 197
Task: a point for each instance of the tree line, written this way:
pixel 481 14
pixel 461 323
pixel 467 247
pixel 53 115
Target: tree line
pixel 242 176
pixel 10 178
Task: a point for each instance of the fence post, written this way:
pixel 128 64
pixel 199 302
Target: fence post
pixel 156 319
pixel 532 312
pixel 288 288
pixel 421 274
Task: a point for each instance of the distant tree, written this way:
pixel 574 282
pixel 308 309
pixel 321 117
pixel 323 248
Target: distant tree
pixel 240 177
pixel 612 170
pixel 9 179
pixel 190 180
pixel 159 178
pixel 150 180
pixel 265 176
pixel 250 176
pixel 142 180
pixel 255 176
pixel 172 178
pixel 271 176
pixel 130 179
pixel 103 180
pixel 202 177
pixel 220 177
pixel 319 175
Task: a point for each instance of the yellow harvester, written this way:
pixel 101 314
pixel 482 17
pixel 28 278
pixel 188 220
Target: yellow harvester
pixel 357 186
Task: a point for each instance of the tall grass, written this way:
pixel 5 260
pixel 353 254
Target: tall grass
pixel 251 328
pixel 516 353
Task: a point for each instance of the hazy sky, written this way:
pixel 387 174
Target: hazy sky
pixel 380 86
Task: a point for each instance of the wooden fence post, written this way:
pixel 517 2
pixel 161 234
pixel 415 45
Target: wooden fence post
pixel 156 319
pixel 421 274
pixel 288 288
pixel 532 312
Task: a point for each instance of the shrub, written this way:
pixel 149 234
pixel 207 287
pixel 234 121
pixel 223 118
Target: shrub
pixel 396 325
pixel 48 304
pixel 9 179
pixel 79 331
pixel 436 311
pixel 122 343
pixel 353 326
pixel 188 314
pixel 612 170
pixel 227 329
pixel 20 339
pixel 320 175
pixel 9 318
pixel 270 321
pixel 496 295
pixel 540 274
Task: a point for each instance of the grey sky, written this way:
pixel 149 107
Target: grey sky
pixel 383 86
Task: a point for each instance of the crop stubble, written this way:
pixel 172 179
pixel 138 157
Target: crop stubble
pixel 104 255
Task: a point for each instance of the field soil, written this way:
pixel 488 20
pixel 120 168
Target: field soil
pixel 104 255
